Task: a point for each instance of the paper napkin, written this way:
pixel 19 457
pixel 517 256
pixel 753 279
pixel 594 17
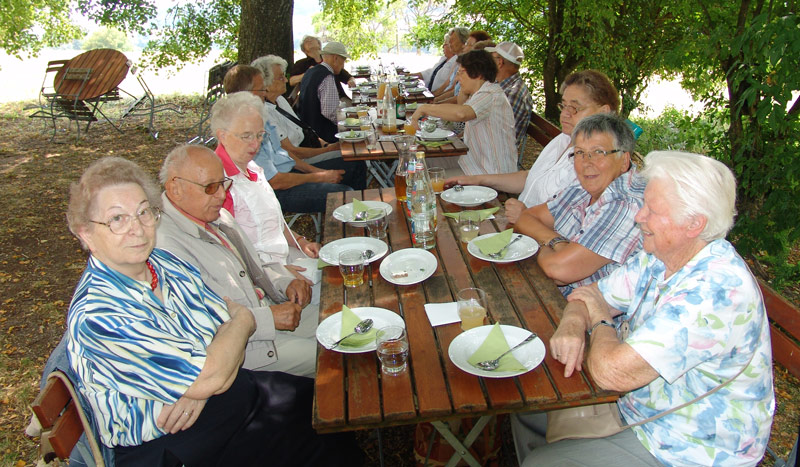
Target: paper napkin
pixel 494 243
pixel 349 321
pixel 494 345
pixel 484 213
pixel 312 271
pixel 359 206
pixel 434 144
pixel 442 313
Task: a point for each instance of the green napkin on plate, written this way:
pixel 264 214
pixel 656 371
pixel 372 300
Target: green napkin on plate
pixel 494 243
pixel 494 345
pixel 349 321
pixel 359 206
pixel 433 144
pixel 484 213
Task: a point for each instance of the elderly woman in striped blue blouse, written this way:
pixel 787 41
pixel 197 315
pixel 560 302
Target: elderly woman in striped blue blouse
pixel 157 354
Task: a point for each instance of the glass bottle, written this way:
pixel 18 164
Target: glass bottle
pixel 389 113
pixel 422 205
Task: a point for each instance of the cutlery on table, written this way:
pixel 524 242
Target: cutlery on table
pixel 491 365
pixel 362 327
pixel 499 254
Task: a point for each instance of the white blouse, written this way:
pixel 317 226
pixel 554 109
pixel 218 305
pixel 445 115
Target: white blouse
pixel 552 172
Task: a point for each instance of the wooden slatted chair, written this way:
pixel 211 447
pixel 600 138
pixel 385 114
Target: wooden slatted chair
pixel 69 105
pixel 47 93
pixel 62 419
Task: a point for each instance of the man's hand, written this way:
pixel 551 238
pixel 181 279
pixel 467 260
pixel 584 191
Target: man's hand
pixel 590 295
pixel 329 176
pixel 286 316
pixel 567 344
pixel 299 292
pixel 296 270
pixel 514 208
pixel 181 415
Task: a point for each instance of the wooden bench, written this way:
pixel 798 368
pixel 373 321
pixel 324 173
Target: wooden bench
pixel 784 316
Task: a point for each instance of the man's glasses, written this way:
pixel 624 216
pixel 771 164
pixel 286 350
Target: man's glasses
pixel 588 155
pixel 572 109
pixel 122 223
pixel 212 187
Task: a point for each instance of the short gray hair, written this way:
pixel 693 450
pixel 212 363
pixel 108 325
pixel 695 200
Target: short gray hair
pixel 610 124
pixel 702 186
pixel 307 38
pixel 176 159
pixel 462 33
pixel 265 64
pixel 227 108
pixel 104 173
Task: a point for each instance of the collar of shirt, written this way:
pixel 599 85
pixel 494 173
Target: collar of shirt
pixel 511 80
pixel 230 167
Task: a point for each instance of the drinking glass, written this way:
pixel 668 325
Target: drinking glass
pixel 377 222
pixel 437 178
pixel 423 225
pixel 392 348
pixel 365 123
pixel 469 223
pixel 405 143
pixel 471 308
pixel 351 265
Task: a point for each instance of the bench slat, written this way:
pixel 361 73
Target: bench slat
pixel 50 402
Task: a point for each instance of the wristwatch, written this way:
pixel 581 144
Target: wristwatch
pixel 602 322
pixel 552 243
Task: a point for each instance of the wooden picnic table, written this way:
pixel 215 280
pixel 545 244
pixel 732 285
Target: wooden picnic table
pixel 352 394
pixel 387 150
pixel 108 68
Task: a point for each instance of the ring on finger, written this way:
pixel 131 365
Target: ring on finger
pixel 185 412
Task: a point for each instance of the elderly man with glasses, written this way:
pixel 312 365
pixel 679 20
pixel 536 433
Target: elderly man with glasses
pixel 195 228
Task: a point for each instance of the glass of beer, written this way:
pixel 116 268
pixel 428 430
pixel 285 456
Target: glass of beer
pixel 471 308
pixel 437 178
pixel 351 265
pixel 381 90
pixel 392 348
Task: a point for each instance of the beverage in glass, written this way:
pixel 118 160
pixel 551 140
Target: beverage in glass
pixel 424 228
pixel 468 225
pixel 409 128
pixel 400 186
pixel 377 221
pixel 362 112
pixel 392 348
pixel 395 90
pixel 381 90
pixel 388 127
pixel 351 265
pixel 471 307
pixel 437 178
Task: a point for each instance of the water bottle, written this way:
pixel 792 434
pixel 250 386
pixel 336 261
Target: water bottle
pixel 422 206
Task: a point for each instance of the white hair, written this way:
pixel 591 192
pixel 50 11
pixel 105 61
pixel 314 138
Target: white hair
pixel 701 186
pixel 307 38
pixel 227 108
pixel 265 64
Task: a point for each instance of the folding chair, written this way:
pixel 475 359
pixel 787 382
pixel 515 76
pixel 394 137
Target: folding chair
pixel 215 90
pixel 146 105
pixel 69 105
pixel 316 217
pixel 47 92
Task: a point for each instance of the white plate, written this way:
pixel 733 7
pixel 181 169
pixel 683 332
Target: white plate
pixel 370 91
pixel 330 252
pixel 415 90
pixel 417 263
pixel 344 213
pixel 471 195
pixel 438 134
pixel 351 110
pixel 465 344
pixel 330 330
pixel 355 126
pixel 351 136
pixel 523 248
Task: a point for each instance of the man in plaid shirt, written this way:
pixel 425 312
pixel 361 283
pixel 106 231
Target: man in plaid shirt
pixel 508 57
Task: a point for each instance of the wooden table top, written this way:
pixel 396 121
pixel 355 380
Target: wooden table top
pixel 387 150
pixel 351 393
pixel 109 67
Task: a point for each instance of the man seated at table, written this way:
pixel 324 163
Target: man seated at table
pixel 458 37
pixel 489 129
pixel 318 96
pixel 428 76
pixel 195 228
pixel 298 185
pixel 588 229
pixel 311 46
pixel 452 92
pixel 508 57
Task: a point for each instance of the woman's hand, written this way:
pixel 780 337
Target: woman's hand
pixel 329 176
pixel 311 249
pixel 462 180
pixel 514 208
pixel 181 415
pixel 568 342
pixel 419 113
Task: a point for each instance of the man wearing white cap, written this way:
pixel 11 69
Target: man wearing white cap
pixel 508 57
pixel 318 95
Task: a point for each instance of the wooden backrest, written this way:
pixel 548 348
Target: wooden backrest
pixel 542 130
pixel 784 329
pixel 58 415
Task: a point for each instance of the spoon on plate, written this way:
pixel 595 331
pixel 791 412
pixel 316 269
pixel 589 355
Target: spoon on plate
pixel 491 365
pixel 362 327
pixel 499 254
pixel 360 216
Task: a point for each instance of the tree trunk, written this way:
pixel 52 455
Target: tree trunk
pixel 266 28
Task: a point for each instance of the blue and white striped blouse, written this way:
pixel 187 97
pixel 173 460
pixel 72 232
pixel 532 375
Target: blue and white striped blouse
pixel 134 354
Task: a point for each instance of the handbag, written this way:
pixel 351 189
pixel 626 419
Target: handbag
pixel 602 420
pixel 310 138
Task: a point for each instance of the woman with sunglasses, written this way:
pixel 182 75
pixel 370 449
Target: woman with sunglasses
pixel 157 354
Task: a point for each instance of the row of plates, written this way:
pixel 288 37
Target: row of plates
pixel 354 136
pixel 460 350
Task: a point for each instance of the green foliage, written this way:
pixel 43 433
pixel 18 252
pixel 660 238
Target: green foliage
pixel 29 25
pixel 107 38
pixel 677 130
pixel 130 15
pixel 363 26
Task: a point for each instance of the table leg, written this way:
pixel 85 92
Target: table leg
pixel 462 449
pixel 377 170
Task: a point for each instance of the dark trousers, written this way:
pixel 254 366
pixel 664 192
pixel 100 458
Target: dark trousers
pixel 264 418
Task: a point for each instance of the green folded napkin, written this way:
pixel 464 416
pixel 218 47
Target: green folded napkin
pixel 322 264
pixel 484 213
pixel 494 345
pixel 349 321
pixel 433 144
pixel 359 206
pixel 494 243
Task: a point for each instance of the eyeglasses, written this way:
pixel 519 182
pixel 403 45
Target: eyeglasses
pixel 250 137
pixel 588 155
pixel 212 187
pixel 572 109
pixel 122 223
